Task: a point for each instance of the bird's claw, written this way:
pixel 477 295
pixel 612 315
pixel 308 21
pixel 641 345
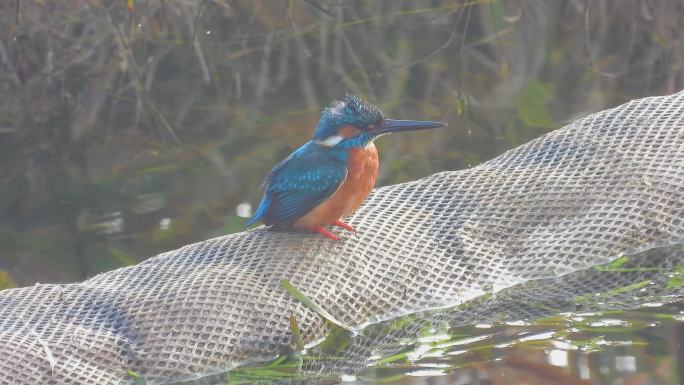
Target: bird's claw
pixel 343 225
pixel 325 233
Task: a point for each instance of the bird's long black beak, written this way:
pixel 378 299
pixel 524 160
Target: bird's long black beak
pixel 390 125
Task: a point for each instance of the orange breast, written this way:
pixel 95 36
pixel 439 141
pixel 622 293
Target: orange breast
pixel 362 170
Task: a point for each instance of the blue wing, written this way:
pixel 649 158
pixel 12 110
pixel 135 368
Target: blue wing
pixel 299 183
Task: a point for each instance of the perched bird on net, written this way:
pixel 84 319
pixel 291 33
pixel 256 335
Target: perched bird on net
pixel 330 176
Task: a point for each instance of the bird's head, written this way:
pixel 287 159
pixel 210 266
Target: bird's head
pixel 352 122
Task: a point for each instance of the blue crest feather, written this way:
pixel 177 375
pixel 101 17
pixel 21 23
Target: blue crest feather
pixel 350 111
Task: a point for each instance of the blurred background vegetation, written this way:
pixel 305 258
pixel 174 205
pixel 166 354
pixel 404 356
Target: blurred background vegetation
pixel 131 127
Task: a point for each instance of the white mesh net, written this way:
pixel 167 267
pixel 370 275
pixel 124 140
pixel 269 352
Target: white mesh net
pixel 644 278
pixel 607 184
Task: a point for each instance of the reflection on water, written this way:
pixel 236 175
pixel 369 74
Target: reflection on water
pixel 620 323
pixel 243 210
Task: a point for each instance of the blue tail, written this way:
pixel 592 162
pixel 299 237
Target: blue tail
pixel 263 207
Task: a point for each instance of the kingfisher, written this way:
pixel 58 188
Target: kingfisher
pixel 328 177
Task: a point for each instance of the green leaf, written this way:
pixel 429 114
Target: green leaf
pixel 296 333
pixel 677 278
pixel 531 105
pixel 290 288
pixel 137 378
pixel 461 105
pixel 6 281
pixel 632 287
pixel 618 263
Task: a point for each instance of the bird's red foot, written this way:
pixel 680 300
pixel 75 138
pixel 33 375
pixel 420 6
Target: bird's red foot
pixel 325 233
pixel 343 225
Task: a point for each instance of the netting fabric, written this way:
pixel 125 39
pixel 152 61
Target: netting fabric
pixel 641 280
pixel 607 184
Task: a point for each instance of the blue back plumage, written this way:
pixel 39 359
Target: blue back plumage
pixel 299 183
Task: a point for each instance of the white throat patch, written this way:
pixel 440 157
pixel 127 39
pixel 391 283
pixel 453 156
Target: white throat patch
pixel 330 141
